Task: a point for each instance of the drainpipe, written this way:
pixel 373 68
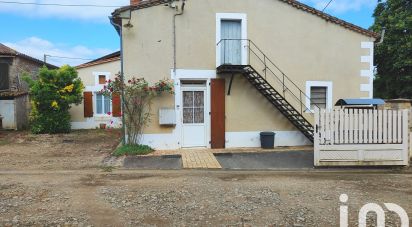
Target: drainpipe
pixel 174 36
pixel 120 32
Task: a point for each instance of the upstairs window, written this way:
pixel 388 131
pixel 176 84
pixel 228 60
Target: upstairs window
pixel 4 76
pixel 102 79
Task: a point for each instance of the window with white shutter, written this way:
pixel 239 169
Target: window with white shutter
pixel 318 97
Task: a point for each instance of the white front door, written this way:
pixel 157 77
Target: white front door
pixel 193 116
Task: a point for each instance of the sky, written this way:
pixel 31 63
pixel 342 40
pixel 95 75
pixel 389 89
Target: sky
pixel 86 33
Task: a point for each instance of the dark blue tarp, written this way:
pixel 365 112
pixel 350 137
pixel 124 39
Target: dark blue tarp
pixel 359 102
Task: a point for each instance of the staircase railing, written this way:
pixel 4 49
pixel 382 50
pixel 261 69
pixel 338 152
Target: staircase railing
pixel 233 51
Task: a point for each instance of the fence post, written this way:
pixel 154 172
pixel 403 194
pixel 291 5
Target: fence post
pixel 316 138
pixel 405 135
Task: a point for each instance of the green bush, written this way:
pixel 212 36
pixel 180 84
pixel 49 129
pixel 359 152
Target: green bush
pixel 133 150
pixel 51 96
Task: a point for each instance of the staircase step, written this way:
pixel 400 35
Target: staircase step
pixel 274 97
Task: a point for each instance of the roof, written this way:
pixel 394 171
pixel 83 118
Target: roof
pixel 115 56
pixel 294 3
pixel 359 102
pixel 7 51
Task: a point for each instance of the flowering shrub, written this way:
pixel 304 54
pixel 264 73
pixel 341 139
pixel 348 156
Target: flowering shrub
pixel 137 101
pixel 51 96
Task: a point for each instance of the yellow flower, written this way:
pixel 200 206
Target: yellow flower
pixel 68 88
pixel 54 104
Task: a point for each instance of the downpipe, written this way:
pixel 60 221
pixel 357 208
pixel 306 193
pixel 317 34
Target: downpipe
pixel 174 35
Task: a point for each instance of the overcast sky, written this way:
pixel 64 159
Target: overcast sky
pixel 85 32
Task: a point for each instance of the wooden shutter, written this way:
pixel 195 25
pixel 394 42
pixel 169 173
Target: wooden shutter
pixel 4 76
pixel 116 105
pixel 218 113
pixel 88 104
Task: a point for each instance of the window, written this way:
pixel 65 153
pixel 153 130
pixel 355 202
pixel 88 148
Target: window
pixel 4 76
pixel 193 107
pixel 103 104
pixel 318 97
pixel 318 94
pixel 102 79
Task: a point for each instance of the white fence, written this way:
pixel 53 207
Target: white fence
pixel 361 137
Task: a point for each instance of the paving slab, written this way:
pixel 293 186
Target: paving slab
pixel 267 160
pixel 153 162
pixel 199 159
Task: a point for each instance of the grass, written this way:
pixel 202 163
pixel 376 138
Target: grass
pixel 107 168
pixel 4 142
pixel 133 150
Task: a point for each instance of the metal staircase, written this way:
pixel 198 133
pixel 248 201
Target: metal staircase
pixel 291 101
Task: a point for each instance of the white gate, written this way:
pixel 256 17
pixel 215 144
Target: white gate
pixel 360 137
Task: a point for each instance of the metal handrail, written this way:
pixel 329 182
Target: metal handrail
pixel 282 81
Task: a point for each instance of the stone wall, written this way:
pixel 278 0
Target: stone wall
pixel 17 70
pixel 22 112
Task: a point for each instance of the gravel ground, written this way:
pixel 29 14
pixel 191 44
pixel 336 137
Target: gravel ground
pixel 194 198
pixel 57 181
pixel 82 149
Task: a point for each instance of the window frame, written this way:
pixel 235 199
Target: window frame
pixel 103 105
pixel 242 17
pixel 329 93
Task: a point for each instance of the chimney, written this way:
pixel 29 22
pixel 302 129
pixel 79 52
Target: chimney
pixel 134 2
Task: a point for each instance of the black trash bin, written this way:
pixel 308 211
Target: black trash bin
pixel 267 140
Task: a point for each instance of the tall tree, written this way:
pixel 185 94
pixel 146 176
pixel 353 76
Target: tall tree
pixel 393 56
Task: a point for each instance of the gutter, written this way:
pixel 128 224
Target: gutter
pixel 118 26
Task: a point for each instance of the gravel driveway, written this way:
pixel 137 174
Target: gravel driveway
pixel 194 198
pixel 57 180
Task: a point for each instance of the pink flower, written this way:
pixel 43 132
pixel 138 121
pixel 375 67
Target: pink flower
pixel 109 113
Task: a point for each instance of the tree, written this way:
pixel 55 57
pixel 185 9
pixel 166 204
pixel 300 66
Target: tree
pixel 393 57
pixel 138 96
pixel 51 96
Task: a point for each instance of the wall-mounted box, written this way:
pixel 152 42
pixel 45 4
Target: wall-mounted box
pixel 167 116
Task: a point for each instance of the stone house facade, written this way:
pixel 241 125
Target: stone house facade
pixel 14 102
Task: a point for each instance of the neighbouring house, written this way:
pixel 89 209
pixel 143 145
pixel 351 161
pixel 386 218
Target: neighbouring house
pixel 14 99
pixel 241 67
pixel 96 109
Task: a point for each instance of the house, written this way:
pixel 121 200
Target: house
pixel 14 102
pixel 241 67
pixel 97 109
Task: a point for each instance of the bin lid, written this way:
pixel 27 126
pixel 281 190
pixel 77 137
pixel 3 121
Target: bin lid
pixel 267 133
